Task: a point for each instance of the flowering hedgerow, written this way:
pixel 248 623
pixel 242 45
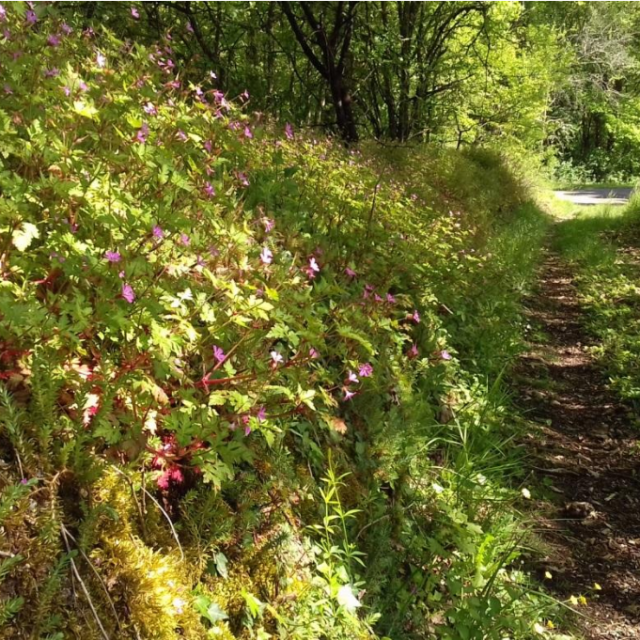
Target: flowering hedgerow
pixel 210 304
pixel 187 274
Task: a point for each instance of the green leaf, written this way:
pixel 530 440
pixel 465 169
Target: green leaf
pixel 208 609
pixel 221 564
pixel 85 109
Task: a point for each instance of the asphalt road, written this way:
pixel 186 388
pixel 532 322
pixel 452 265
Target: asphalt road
pixel 619 195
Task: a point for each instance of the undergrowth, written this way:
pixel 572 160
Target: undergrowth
pixel 251 382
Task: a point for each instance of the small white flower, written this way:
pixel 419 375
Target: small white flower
pixel 526 493
pixel 347 599
pixel 437 488
pixel 178 605
pixel 539 629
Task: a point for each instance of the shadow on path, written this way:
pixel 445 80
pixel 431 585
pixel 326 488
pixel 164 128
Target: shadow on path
pixel 587 452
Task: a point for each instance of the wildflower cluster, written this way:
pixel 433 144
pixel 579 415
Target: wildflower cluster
pixel 160 242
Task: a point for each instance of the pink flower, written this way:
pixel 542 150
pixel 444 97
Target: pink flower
pixel 3 13
pixel 134 13
pixel 276 358
pixel 445 355
pixel 53 40
pixel 185 240
pixel 67 91
pixel 350 272
pixel 209 190
pixel 313 265
pixel 150 109
pixel 313 353
pixel 245 95
pixel 66 29
pixel 377 298
pixel 266 256
pixel 181 135
pixel 352 377
pixel 247 133
pixel 163 480
pixel 158 233
pixel 348 394
pixel 52 73
pixel 268 223
pixel 128 293
pixel 416 317
pixel 176 475
pixel 366 370
pixel 142 134
pixel 262 414
pixel 112 256
pixel 413 352
pixel 208 145
pixel 189 27
pixel 31 17
pixel 243 179
pixel 288 131
pixel 390 299
pixel 219 354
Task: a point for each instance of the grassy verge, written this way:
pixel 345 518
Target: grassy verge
pixel 602 243
pixel 251 381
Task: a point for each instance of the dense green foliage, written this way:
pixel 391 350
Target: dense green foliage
pixel 460 72
pixel 249 388
pixel 559 79
pixel 593 112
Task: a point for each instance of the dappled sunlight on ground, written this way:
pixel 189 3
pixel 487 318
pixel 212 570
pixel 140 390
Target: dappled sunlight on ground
pixel 587 455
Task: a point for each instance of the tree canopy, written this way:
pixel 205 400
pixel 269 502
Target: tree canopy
pixel 558 78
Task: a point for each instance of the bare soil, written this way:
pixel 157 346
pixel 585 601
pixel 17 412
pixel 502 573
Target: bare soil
pixel 587 453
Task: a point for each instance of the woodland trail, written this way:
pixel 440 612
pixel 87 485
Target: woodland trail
pixel 586 453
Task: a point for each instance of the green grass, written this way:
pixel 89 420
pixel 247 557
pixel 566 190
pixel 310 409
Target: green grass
pixel 603 245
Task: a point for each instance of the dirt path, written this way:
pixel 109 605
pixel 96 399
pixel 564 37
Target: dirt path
pixel 588 455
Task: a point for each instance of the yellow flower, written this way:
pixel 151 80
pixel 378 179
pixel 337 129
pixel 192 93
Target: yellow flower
pixel 597 587
pixel 548 575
